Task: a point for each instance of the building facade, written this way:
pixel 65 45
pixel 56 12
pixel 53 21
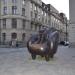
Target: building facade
pixel 72 23
pixel 20 18
pixel 14 20
pixel 0 20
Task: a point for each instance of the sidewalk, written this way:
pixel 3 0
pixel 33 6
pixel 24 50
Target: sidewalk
pixel 20 62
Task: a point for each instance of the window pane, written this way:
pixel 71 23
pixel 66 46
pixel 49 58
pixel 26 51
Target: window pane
pixel 23 23
pixel 23 2
pixel 23 37
pixel 4 23
pixel 14 23
pixel 14 35
pixel 4 1
pixel 5 10
pixel 23 12
pixel 14 8
pixel 4 36
pixel 14 1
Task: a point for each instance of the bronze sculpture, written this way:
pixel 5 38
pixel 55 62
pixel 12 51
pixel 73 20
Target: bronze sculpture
pixel 44 43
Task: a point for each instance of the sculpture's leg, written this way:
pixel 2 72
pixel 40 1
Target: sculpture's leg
pixel 51 55
pixel 33 56
pixel 47 57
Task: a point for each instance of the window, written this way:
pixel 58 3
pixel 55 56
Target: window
pixel 39 17
pixel 31 5
pixel 35 8
pixel 36 15
pixel 14 35
pixel 23 11
pixel 42 12
pixel 32 26
pixel 42 19
pixel 35 27
pixel 14 8
pixel 31 14
pixel 23 37
pixel 23 2
pixel 14 1
pixel 23 23
pixel 4 23
pixel 45 14
pixel 14 23
pixel 4 36
pixel 5 10
pixel 4 1
pixel 39 27
pixel 46 20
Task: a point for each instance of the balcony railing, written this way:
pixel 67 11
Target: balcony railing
pixel 36 21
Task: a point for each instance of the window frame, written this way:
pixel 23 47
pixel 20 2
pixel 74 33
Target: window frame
pixel 14 23
pixel 4 23
pixel 5 10
pixel 14 10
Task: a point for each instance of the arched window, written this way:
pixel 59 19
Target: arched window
pixel 14 35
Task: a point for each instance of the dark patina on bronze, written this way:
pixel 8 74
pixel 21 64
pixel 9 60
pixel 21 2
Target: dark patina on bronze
pixel 44 43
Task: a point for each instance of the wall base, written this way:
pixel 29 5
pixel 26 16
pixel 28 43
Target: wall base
pixel 72 45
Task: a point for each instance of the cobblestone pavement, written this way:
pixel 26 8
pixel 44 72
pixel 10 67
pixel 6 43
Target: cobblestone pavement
pixel 17 61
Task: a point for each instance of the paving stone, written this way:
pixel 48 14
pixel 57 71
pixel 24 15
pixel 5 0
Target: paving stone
pixel 17 61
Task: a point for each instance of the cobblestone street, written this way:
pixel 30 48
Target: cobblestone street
pixel 17 61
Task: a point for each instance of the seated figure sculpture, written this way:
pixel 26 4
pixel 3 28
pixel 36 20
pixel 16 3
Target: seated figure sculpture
pixel 44 43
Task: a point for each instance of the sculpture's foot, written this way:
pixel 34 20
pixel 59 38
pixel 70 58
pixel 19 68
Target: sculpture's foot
pixel 33 56
pixel 47 57
pixel 52 55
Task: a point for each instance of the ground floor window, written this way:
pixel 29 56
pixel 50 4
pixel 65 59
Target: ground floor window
pixel 14 35
pixel 23 36
pixel 4 36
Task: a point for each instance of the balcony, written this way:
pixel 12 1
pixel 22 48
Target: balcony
pixel 36 21
pixel 14 16
pixel 35 11
pixel 37 2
